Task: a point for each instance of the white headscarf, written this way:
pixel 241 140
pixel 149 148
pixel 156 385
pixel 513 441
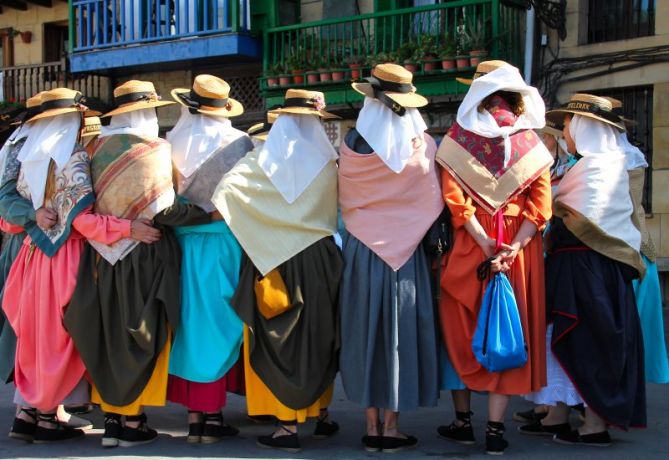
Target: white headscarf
pixel 635 157
pixel 196 137
pixel 143 123
pixel 594 137
pixel 295 152
pixel 505 78
pixel 52 138
pixel 388 134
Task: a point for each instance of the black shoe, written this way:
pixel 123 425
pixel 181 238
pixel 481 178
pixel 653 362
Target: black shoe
pixel 262 419
pixel 528 416
pixel 113 430
pixel 214 432
pixel 59 433
pixel 81 409
pixel 495 444
pixel 537 428
pixel 287 442
pixel 372 443
pixel 391 445
pixel 462 433
pixel 23 430
pixel 325 429
pixel 141 435
pixel 601 439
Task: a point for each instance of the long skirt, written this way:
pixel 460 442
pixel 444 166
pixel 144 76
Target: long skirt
pixel 596 334
pixel 649 303
pixel 460 303
pixel 207 397
pixel 11 245
pixel 389 352
pixel 36 296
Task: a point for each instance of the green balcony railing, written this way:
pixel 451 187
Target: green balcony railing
pixel 441 39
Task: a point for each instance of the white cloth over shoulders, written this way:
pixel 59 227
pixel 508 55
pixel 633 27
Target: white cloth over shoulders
pixel 51 138
pixel 143 123
pixel 635 157
pixel 390 135
pixel 505 78
pixel 295 152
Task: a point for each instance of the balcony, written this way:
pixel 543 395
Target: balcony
pixel 108 35
pixel 438 42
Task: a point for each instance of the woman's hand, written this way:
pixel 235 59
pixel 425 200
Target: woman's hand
pixel 46 218
pixel 508 253
pixel 488 246
pixel 142 231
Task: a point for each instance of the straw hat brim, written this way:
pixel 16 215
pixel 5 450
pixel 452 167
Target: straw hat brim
pixel 465 81
pixel 234 109
pixel 558 114
pixel 139 105
pixel 64 110
pixel 305 111
pixel 551 131
pixel 407 100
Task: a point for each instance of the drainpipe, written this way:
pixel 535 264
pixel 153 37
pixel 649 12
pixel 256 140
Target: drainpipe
pixel 529 45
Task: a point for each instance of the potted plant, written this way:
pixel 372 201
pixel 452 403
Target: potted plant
pixel 338 71
pixel 409 54
pixel 295 63
pixel 477 43
pixel 325 73
pixel 285 79
pixel 355 63
pixel 447 52
pixel 313 75
pixel 273 75
pixel 429 50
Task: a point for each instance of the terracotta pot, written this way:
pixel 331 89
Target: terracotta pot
pixel 312 77
pixel 411 67
pixel 355 71
pixel 476 56
pixel 298 77
pixel 337 75
pixel 26 36
pixel 272 81
pixel 462 62
pixel 429 66
pixel 448 64
pixel 285 80
pixel 325 74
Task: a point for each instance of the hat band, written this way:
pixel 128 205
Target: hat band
pixel 208 101
pixel 135 97
pixel 594 109
pixel 61 103
pixel 380 86
pixel 32 111
pixel 300 102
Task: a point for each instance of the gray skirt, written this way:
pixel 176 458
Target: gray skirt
pixel 389 343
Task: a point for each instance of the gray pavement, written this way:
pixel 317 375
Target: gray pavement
pixel 650 443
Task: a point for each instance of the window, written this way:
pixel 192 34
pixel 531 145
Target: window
pixel 55 41
pixel 638 106
pixel 620 19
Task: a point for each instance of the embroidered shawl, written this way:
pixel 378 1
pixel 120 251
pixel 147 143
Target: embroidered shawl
pixel 9 163
pixel 73 193
pixel 132 177
pixel 477 162
pixel 390 212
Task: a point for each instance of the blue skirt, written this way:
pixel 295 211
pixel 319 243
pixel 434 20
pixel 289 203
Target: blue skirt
pixel 209 337
pixel 649 304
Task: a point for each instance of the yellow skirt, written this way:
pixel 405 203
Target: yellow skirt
pixel 261 401
pixel 155 392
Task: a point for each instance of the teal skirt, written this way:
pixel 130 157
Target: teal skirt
pixel 209 337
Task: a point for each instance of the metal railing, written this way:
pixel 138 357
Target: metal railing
pixel 21 82
pixel 400 35
pixel 99 24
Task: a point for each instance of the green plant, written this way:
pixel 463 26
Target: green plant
pixel 295 59
pixel 409 52
pixel 447 47
pixel 474 33
pixel 356 59
pixel 429 47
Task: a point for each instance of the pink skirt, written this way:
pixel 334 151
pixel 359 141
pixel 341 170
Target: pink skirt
pixel 206 397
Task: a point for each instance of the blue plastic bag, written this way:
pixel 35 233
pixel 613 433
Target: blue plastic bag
pixel 498 342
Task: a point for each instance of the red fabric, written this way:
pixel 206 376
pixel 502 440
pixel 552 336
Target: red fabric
pixel 9 228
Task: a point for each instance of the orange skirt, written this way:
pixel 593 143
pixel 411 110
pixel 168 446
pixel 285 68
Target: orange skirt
pixel 461 298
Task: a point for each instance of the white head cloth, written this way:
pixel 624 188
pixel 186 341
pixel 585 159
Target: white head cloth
pixel 635 157
pixel 143 123
pixel 196 137
pixel 295 152
pixel 597 186
pixel 388 134
pixel 505 78
pixel 51 138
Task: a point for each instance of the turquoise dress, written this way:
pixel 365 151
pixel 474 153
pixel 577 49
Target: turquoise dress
pixel 208 340
pixel 649 304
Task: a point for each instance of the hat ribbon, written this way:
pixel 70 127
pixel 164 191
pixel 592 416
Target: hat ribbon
pixel 136 97
pixel 593 109
pixel 380 86
pixel 194 101
pixel 62 103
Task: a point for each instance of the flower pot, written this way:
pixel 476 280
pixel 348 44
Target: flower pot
pixel 312 78
pixel 338 75
pixel 285 80
pixel 26 36
pixel 325 74
pixel 476 56
pixel 462 62
pixel 355 71
pixel 429 66
pixel 411 66
pixel 448 63
pixel 298 77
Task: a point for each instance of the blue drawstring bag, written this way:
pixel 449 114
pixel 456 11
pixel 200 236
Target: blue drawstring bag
pixel 498 342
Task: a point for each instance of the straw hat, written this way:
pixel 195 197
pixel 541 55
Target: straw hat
pixel 209 95
pixel 261 130
pixel 135 95
pixel 618 110
pixel 589 106
pixel 553 127
pixel 483 68
pixel 394 82
pixel 91 127
pixel 59 101
pixel 303 102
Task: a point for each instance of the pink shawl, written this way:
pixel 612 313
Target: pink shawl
pixel 389 212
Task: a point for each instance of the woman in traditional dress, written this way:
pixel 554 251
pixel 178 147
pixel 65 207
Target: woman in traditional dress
pixel 54 176
pixel 593 255
pixel 127 300
pixel 206 346
pixel 389 195
pixel 495 177
pixel 280 201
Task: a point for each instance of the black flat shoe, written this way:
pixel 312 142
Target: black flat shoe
pixel 23 430
pixel 391 445
pixel 528 416
pixel 287 443
pixel 495 444
pixel 372 443
pixel 139 436
pixel 113 430
pixel 214 432
pixel 537 429
pixel 262 419
pixel 60 432
pixel 325 429
pixel 462 433
pixel 195 432
pixel 601 439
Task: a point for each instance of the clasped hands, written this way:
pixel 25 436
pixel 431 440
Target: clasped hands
pixel 504 257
